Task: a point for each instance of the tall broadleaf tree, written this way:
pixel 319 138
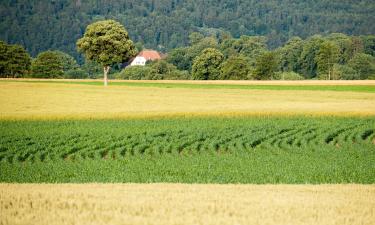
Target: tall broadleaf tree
pixel 106 42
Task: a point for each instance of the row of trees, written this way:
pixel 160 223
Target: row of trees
pixel 106 44
pixel 15 62
pixel 335 56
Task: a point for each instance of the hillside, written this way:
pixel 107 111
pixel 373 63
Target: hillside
pixel 166 24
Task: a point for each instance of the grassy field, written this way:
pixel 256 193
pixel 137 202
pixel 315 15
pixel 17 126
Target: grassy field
pixel 227 136
pixel 186 204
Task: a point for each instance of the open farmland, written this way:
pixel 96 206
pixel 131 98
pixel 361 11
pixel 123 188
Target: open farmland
pixel 158 133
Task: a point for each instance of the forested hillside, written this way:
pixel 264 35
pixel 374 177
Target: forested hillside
pixel 166 24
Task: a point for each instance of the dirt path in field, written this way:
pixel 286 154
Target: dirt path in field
pixel 186 204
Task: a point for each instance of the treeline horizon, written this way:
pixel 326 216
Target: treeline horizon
pixel 166 24
pixel 332 57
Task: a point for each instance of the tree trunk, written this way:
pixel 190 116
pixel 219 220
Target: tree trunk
pixel 106 70
pixel 329 74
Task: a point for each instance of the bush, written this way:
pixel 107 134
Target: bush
pixel 75 74
pixel 287 76
pixel 157 70
pixel 364 64
pixel 134 73
pixel 344 72
pixel 236 68
pixel 47 65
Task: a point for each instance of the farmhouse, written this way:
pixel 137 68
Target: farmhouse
pixel 144 56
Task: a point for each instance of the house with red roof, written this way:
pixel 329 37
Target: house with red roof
pixel 144 56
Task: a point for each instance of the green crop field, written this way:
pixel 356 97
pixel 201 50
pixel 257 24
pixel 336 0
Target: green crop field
pixel 190 150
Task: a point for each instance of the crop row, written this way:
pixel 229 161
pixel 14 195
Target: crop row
pixel 40 141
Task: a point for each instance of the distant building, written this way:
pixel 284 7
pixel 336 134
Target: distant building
pixel 144 56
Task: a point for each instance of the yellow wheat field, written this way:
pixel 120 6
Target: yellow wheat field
pixel 20 100
pixel 166 204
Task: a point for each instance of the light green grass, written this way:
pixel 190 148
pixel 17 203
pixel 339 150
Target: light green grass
pixel 351 88
pixel 257 150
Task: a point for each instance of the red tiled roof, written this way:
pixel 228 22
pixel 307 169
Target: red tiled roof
pixel 150 55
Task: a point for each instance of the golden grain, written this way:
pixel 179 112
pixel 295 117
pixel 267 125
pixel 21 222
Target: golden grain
pixel 45 101
pixel 186 204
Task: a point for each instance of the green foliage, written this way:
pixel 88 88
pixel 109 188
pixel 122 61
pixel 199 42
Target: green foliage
pixel 106 42
pixel 287 76
pixel 195 38
pixel 183 58
pixel 180 58
pixel 68 62
pixel 308 57
pixel 344 72
pixel 134 73
pixel 167 24
pixel 326 57
pixel 207 65
pixel 236 68
pixel 92 69
pixel 266 66
pixel 290 54
pixel 75 74
pixel 158 70
pixel 55 64
pixel 14 60
pixel 190 150
pixel 369 44
pixel 47 65
pixel 364 64
pixel 162 70
pixel 249 46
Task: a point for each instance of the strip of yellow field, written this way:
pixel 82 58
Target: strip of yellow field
pixel 186 204
pixel 22 100
pixel 217 82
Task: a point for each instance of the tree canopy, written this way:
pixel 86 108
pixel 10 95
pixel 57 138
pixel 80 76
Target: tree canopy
pixel 167 24
pixel 207 65
pixel 14 60
pixel 107 43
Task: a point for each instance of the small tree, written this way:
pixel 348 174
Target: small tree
pixel 207 65
pixel 106 42
pixel 47 64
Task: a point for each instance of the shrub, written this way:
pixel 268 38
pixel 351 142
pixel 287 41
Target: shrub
pixel 287 76
pixel 134 73
pixel 75 74
pixel 236 68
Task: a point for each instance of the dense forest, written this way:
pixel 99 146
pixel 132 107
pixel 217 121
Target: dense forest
pixel 166 24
